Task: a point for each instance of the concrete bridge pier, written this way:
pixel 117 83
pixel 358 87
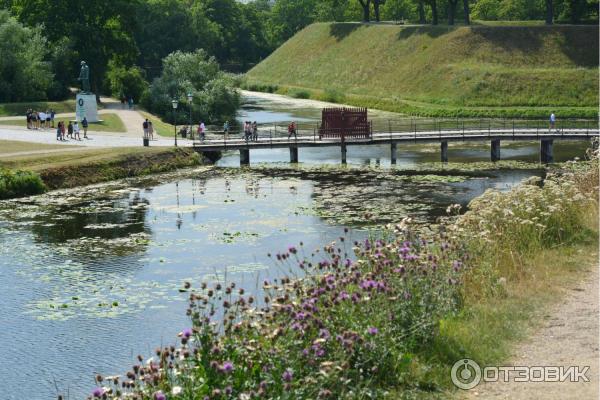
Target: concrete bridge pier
pixel 444 148
pixel 393 154
pixel 495 150
pixel 244 157
pixel 344 151
pixel 546 151
pixel 294 155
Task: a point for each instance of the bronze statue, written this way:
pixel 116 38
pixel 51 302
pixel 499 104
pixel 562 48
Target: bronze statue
pixel 84 77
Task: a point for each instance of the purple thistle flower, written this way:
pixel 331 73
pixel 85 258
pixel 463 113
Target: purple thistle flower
pixel 373 331
pixel 186 333
pixel 159 396
pixel 98 392
pixel 287 375
pixel 228 390
pixel 227 367
pixel 292 249
pixel 324 334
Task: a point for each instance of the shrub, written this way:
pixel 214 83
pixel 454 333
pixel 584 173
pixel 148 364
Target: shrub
pixel 124 81
pixel 299 94
pixel 19 183
pixel 333 96
pixel 347 327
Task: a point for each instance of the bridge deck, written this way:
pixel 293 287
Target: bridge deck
pixel 398 137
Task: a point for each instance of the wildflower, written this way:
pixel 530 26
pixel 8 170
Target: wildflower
pixel 228 390
pixel 98 392
pixel 287 375
pixel 292 250
pixel 373 331
pixel 186 333
pixel 176 390
pixel 227 367
pixel 159 396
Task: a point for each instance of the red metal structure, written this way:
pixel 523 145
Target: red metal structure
pixel 345 123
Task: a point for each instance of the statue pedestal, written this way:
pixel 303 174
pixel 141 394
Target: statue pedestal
pixel 85 106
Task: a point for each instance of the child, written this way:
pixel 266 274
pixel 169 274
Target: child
pixel 76 130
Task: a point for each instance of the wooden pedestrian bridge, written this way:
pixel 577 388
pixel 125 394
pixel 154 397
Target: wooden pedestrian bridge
pixel 410 131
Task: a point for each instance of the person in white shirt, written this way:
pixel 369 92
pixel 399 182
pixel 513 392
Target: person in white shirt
pixel 42 119
pixel 552 121
pixel 76 130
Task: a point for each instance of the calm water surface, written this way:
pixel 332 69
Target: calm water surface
pixel 91 277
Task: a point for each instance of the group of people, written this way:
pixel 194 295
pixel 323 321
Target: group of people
pixel 250 131
pixel 72 130
pixel 128 101
pixel 40 119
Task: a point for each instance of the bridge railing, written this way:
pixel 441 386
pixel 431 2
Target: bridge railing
pixel 308 131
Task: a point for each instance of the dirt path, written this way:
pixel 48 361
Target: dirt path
pixel 568 337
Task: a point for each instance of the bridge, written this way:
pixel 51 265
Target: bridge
pixel 443 132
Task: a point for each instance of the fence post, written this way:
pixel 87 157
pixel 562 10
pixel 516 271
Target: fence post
pixel 271 138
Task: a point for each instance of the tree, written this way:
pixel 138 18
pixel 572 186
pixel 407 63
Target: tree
pixel 24 75
pixel 549 12
pixel 366 6
pixel 215 96
pixel 467 12
pixel 376 4
pixel 451 11
pixel 421 10
pixel 434 12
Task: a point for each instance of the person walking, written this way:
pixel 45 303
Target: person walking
pixel 52 115
pixel 292 130
pixel 48 119
pixel 201 129
pixel 226 129
pixel 145 128
pixel 70 130
pixel 58 132
pixel 130 102
pixel 62 130
pixel 84 124
pixel 28 118
pixel 255 131
pixel 150 130
pixel 41 119
pixel 552 121
pixel 76 130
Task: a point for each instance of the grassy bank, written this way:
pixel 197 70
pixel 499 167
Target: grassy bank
pixel 78 167
pixel 387 317
pixel 10 109
pixel 508 71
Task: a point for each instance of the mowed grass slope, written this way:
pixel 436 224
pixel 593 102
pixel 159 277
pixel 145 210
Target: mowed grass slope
pixel 442 70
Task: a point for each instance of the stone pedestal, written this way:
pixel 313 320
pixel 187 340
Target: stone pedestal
pixel 85 106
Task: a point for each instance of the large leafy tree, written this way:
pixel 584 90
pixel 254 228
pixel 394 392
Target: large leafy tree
pixel 98 30
pixel 24 75
pixel 215 97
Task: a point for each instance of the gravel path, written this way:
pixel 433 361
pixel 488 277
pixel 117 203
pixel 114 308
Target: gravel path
pixel 568 337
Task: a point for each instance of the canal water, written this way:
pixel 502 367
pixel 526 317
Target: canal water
pixel 93 276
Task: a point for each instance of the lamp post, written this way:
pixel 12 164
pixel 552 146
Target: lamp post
pixel 175 103
pixel 190 97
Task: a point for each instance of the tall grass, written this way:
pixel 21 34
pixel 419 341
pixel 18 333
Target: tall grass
pixel 384 317
pixel 19 183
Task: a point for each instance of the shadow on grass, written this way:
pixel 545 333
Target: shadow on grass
pixel 431 31
pixel 342 30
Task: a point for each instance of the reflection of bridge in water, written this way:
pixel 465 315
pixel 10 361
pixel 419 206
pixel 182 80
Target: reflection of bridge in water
pixel 441 132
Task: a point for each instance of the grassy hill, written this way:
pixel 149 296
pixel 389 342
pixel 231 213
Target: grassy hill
pixel 442 70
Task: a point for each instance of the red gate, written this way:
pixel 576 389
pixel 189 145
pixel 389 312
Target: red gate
pixel 345 123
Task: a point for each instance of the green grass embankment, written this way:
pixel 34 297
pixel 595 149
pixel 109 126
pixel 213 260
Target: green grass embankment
pixel 511 71
pixel 78 167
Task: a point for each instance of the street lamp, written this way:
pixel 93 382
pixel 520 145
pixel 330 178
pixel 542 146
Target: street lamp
pixel 190 97
pixel 175 103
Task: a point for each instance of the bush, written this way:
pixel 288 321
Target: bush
pixel 20 183
pixel 299 94
pixel 333 96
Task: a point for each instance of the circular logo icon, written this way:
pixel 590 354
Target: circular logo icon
pixel 80 102
pixel 466 374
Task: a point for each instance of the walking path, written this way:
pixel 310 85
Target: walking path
pixel 569 337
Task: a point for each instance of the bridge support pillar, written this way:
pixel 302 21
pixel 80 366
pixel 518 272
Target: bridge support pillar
pixel 546 153
pixel 495 150
pixel 244 157
pixel 444 148
pixel 344 151
pixel 393 153
pixel 294 155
